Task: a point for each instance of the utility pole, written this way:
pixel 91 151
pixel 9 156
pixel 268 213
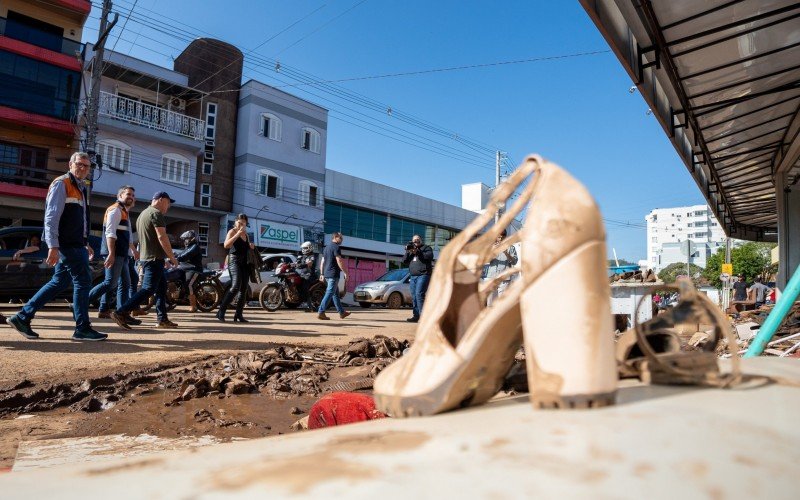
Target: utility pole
pixel 93 104
pixel 498 159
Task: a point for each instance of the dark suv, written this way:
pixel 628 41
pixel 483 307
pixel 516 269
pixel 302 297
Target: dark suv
pixel 20 279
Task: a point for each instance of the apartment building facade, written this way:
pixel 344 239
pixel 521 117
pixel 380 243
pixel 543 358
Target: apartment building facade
pixel 279 181
pixel 669 230
pixel 40 81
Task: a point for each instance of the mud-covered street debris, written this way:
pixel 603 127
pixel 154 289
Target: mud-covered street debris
pixel 281 372
pixel 295 410
pixel 300 425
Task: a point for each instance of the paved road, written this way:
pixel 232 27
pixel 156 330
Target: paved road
pixel 54 357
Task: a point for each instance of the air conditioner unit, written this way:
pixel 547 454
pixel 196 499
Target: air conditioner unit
pixel 177 104
pixel 209 155
pixel 209 143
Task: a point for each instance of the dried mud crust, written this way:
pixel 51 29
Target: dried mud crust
pixel 245 395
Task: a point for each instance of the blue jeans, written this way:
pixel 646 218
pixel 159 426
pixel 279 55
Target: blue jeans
pixel 134 280
pixel 419 286
pixel 109 285
pixel 153 283
pixel 72 267
pixel 331 292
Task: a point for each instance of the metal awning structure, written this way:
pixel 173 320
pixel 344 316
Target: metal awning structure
pixel 723 79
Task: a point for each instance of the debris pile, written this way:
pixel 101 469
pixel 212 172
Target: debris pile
pixel 633 277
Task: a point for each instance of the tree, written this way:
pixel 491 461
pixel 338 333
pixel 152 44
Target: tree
pixel 672 271
pixel 751 259
pixel 622 262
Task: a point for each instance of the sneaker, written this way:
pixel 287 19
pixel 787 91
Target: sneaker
pixel 166 324
pixel 133 321
pixel 89 334
pixel 344 314
pixel 121 319
pixel 104 315
pixel 322 316
pixel 23 327
pixel 413 319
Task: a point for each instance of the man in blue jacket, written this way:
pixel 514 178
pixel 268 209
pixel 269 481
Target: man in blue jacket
pixel 66 232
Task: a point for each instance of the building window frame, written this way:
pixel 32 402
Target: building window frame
pixel 264 186
pixel 211 120
pixel 205 195
pixel 116 155
pixel 270 126
pixel 202 236
pixel 208 168
pixel 310 140
pixel 309 194
pixel 175 168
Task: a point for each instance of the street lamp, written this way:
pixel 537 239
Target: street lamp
pixel 289 217
pixel 260 209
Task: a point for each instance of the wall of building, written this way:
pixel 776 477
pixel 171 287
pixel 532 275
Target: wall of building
pixel 695 223
pixel 285 157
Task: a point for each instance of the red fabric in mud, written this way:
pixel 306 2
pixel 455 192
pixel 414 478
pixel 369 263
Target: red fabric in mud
pixel 338 408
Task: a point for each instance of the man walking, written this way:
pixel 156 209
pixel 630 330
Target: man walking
pixel 331 267
pixel 154 248
pixel 419 259
pixel 115 247
pixel 66 233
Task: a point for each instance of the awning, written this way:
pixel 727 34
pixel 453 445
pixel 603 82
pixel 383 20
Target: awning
pixel 723 79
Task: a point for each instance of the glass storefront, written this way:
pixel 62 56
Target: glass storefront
pixel 38 87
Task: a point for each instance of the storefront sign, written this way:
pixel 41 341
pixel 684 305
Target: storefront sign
pixel 275 235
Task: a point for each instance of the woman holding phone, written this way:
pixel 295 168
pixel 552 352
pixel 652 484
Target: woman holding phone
pixel 238 244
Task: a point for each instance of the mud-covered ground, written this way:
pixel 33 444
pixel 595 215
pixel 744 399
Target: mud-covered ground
pixel 243 395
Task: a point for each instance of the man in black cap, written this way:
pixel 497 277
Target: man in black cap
pixel 154 249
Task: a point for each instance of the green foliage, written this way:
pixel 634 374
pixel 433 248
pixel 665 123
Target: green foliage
pixel 751 259
pixel 622 262
pixel 672 271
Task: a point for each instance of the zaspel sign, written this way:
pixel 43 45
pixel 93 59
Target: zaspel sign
pixel 278 235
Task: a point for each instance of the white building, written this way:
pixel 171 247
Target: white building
pixel 668 230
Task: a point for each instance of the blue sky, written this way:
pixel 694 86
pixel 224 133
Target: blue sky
pixel 575 111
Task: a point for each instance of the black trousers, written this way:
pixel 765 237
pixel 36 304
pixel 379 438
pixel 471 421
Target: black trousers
pixel 239 284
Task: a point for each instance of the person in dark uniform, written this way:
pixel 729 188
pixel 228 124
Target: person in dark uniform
pixel 307 269
pixel 238 244
pixel 191 261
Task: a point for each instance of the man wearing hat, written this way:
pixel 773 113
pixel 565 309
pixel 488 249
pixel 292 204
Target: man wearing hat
pixel 154 249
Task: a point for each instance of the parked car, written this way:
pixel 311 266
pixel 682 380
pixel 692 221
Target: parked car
pixel 21 279
pixel 392 289
pixel 267 272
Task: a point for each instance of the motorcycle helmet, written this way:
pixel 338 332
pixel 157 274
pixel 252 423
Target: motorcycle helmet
pixel 188 237
pixel 306 248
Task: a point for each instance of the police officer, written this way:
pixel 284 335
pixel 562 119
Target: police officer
pixel 307 269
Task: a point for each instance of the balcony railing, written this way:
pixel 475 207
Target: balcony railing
pixel 153 117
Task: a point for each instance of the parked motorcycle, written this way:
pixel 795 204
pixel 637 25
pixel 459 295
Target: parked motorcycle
pixel 286 290
pixel 207 289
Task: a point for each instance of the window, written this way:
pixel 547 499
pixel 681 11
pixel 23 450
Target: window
pixel 23 165
pixel 205 195
pixel 175 168
pixel 700 212
pixel 34 31
pixel 309 194
pixel 208 168
pixel 202 237
pixel 211 120
pixel 268 184
pixel 357 222
pixel 116 155
pixel 38 87
pixel 271 127
pixel 310 140
pixel 700 235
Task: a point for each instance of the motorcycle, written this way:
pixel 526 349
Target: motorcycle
pixel 287 290
pixel 207 288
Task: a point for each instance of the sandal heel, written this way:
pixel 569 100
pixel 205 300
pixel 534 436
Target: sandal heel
pixel 569 341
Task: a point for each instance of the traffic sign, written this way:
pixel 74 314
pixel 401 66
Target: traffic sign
pixel 724 277
pixel 727 268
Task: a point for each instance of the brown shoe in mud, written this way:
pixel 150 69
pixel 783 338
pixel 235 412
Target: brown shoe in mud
pixel 121 319
pixel 166 325
pixel 139 312
pixel 104 314
pixel 322 316
pixel 344 314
